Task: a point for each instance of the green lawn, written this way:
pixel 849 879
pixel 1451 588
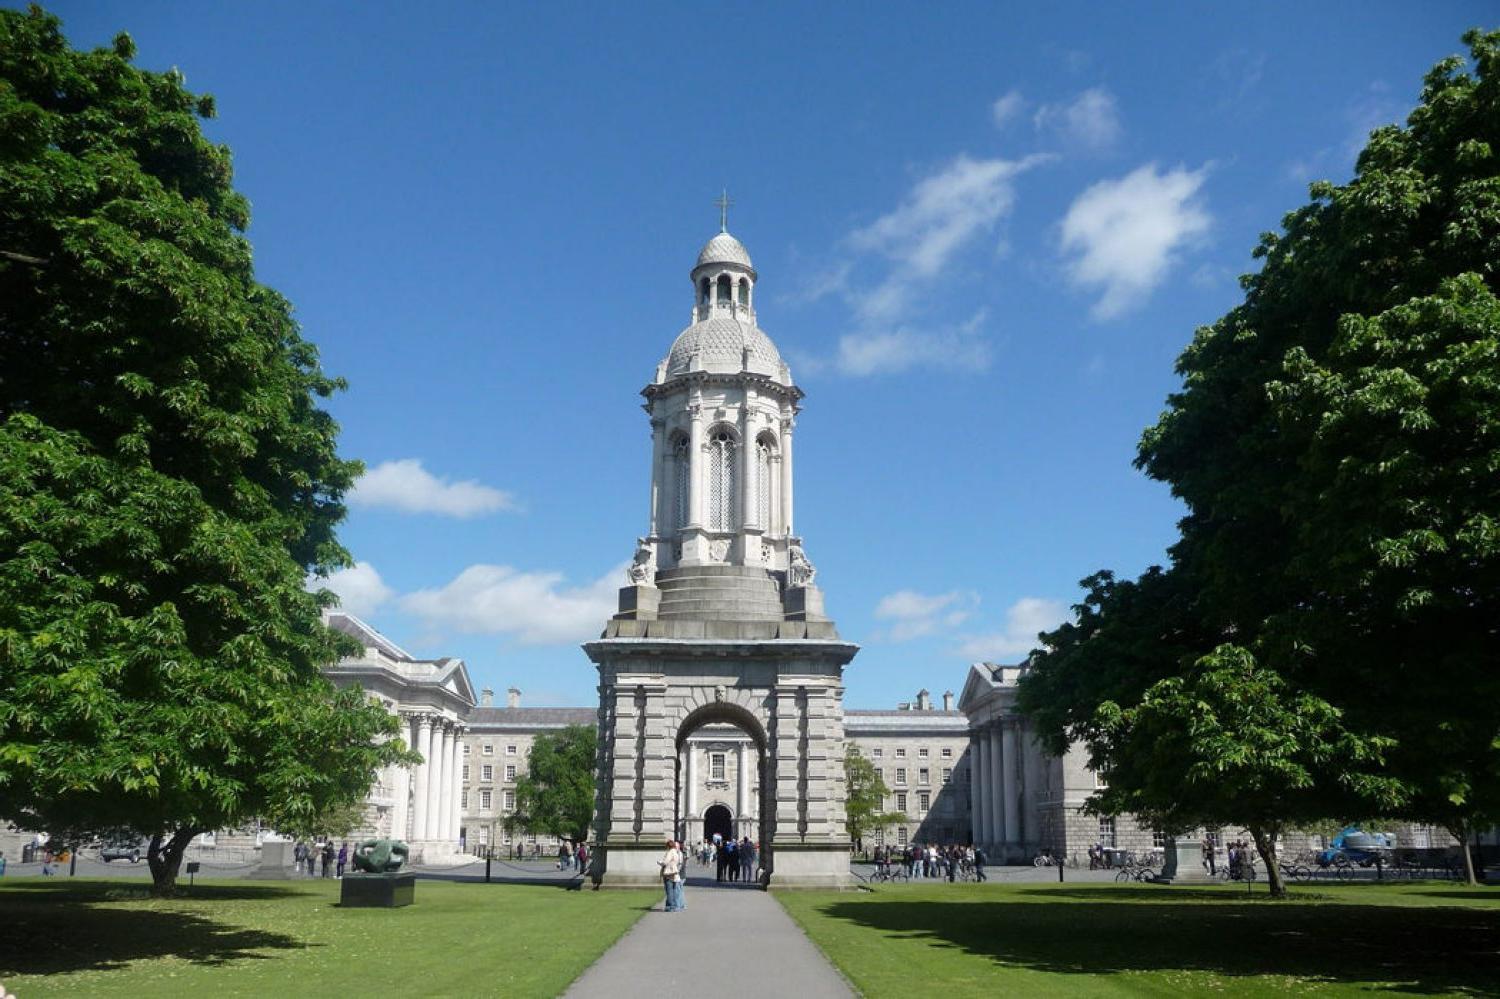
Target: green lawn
pixel 237 938
pixel 1106 939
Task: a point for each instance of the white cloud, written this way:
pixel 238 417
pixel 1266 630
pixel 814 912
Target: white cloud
pixel 941 214
pixel 914 614
pixel 1007 108
pixel 1125 234
pixel 1024 620
pixel 361 590
pixel 535 608
pixel 1091 120
pixel 405 485
pixel 886 351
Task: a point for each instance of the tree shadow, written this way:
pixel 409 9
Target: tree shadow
pixel 1407 948
pixel 59 931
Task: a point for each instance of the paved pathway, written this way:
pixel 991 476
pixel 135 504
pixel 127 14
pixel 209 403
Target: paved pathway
pixel 729 942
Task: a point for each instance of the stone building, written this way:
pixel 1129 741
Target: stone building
pixel 922 755
pixel 433 698
pixel 721 624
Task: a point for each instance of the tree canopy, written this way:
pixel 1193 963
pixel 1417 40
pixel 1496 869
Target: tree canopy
pixel 1337 444
pixel 555 796
pixel 167 477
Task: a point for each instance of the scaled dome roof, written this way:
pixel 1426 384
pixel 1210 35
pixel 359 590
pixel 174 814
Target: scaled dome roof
pixel 724 249
pixel 720 344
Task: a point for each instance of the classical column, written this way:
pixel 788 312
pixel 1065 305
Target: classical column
pixel 750 508
pixel 1010 788
pixel 690 812
pixel 401 807
pixel 742 773
pixel 658 448
pixel 994 767
pixel 423 777
pixel 976 830
pixel 435 781
pixel 695 466
pixel 454 811
pixel 786 475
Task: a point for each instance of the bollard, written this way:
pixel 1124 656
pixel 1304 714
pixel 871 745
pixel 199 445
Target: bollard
pixel 1059 872
pixel 486 867
pixel 72 862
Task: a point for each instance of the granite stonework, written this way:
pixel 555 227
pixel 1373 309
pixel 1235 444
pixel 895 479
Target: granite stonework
pixel 377 891
pixel 721 623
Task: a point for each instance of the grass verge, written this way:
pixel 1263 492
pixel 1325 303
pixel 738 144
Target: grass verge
pixel 1106 939
pixel 232 938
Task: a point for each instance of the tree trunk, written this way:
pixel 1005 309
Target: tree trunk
pixel 165 858
pixel 1460 832
pixel 1265 843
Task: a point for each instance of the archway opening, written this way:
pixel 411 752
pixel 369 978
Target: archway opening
pixel 725 784
pixel 718 822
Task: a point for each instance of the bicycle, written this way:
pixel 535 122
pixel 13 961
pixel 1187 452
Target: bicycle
pixel 894 872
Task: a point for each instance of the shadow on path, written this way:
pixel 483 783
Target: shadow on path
pixel 1424 949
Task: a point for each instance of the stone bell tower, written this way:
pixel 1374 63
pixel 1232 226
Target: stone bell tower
pixel 721 621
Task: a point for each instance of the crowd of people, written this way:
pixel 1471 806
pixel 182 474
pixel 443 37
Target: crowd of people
pixel 732 859
pixel 932 861
pixel 307 855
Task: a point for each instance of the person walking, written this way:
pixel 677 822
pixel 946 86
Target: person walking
pixel 671 865
pixel 979 861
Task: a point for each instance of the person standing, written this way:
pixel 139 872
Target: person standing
pixel 343 857
pixel 671 865
pixel 979 859
pixel 328 858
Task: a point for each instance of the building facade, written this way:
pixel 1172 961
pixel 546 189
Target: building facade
pixel 433 699
pixel 922 755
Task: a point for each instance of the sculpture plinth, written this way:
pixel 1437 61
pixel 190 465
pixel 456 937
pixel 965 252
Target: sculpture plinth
pixel 377 891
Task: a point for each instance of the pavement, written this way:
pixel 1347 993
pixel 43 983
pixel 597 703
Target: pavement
pixel 730 941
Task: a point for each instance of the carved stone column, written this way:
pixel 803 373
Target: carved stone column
pixel 997 799
pixel 742 799
pixel 1010 757
pixel 976 789
pixel 658 476
pixel 435 780
pixel 423 777
pixel 786 476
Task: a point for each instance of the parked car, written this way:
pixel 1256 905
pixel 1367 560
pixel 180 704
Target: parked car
pixel 130 850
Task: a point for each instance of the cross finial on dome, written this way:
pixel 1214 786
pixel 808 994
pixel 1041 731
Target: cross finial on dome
pixel 723 202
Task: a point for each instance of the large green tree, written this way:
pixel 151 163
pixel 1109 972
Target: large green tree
pixel 167 478
pixel 555 796
pixel 1337 444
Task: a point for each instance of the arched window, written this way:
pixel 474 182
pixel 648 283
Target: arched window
pixel 722 481
pixel 726 289
pixel 744 291
pixel 764 448
pixel 703 292
pixel 681 467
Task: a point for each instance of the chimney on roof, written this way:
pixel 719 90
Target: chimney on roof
pixel 947 700
pixel 486 698
pixel 924 700
pixel 513 698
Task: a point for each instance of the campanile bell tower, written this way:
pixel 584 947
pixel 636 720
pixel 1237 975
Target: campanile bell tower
pixel 720 621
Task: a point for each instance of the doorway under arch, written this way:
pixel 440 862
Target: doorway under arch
pixel 718 820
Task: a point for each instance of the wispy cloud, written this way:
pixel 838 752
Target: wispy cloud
pixel 534 608
pixel 1024 620
pixel 360 589
pixel 406 486
pixel 1091 120
pixel 1007 108
pixel 912 247
pixel 910 614
pixel 1124 235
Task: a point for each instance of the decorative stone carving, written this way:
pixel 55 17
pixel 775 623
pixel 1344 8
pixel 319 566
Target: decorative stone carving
pixel 718 549
pixel 767 553
pixel 803 572
pixel 642 568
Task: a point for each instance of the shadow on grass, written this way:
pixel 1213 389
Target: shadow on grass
pixel 117 891
pixel 1415 949
pixel 53 931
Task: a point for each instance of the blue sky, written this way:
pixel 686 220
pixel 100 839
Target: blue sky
pixel 983 233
